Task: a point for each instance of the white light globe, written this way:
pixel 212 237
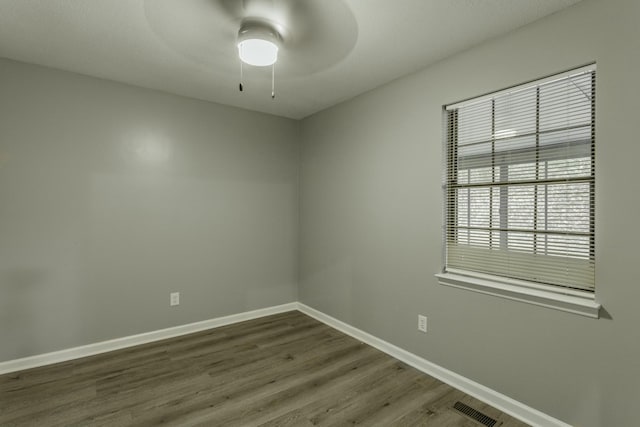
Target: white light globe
pixel 258 52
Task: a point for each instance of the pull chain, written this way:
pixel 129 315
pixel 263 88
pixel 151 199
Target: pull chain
pixel 241 79
pixel 273 81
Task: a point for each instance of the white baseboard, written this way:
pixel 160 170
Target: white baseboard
pixel 499 401
pixel 147 337
pixel 504 403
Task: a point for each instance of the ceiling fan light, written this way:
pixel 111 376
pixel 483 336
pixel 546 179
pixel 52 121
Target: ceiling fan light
pixel 258 52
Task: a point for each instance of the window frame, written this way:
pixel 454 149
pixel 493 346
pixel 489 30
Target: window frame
pixel 577 301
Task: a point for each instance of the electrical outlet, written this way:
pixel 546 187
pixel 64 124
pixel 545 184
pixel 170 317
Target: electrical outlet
pixel 174 298
pixel 422 323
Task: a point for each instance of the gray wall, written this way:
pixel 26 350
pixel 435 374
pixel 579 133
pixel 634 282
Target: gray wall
pixel 113 196
pixel 371 215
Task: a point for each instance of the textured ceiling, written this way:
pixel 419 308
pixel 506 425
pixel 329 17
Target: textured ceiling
pixel 167 44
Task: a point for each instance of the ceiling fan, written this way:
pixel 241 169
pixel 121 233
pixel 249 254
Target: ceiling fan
pixel 302 36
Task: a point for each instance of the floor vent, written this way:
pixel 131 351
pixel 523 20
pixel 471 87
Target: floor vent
pixel 475 415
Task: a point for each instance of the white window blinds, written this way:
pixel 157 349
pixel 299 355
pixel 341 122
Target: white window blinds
pixel 520 179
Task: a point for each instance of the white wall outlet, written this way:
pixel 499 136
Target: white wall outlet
pixel 422 323
pixel 174 298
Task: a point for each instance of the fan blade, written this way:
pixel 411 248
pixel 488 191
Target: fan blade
pixel 194 28
pixel 315 34
pixel 320 34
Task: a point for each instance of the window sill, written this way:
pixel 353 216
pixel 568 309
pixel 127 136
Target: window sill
pixel 571 301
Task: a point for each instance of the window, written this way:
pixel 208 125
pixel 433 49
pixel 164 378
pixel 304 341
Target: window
pixel 519 189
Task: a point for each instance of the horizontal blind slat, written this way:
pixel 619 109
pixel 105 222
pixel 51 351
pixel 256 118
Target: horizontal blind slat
pixel 519 182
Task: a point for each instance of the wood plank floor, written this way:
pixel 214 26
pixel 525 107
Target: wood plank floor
pixel 282 370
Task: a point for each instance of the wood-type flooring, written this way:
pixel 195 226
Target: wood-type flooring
pixel 282 370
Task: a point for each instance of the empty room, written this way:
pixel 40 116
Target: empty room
pixel 319 212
